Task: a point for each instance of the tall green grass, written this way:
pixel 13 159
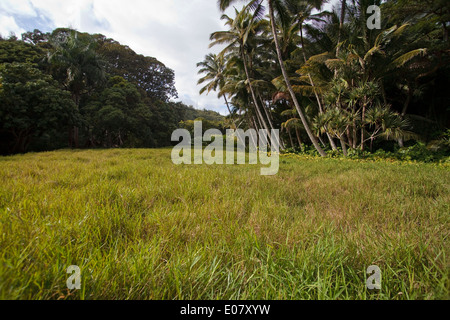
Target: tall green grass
pixel 140 227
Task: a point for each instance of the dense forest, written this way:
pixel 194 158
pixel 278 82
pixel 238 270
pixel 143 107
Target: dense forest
pixel 327 81
pixel 71 89
pixel 331 83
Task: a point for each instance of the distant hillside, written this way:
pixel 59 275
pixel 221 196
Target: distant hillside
pixel 190 113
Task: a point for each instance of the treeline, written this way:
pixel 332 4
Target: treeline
pixel 331 83
pixel 70 89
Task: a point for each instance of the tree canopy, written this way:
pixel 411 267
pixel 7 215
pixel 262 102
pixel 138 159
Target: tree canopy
pixel 329 79
pixel 67 88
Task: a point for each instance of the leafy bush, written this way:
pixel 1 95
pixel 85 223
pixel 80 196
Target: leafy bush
pixel 417 152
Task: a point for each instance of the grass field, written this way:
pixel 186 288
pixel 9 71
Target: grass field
pixel 140 227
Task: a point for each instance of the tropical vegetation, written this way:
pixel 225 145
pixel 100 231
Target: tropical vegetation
pixel 327 80
pixel 68 89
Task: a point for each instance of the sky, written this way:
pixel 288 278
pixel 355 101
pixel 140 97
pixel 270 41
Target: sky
pixel 176 32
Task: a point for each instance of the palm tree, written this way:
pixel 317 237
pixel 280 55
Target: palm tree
pixel 80 66
pixel 242 39
pixel 278 5
pixel 293 123
pixel 302 12
pixel 336 122
pixel 237 39
pixel 364 66
pixel 213 68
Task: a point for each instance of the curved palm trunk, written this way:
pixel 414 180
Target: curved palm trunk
pixel 319 103
pixel 255 101
pixel 299 139
pixel 281 143
pixel 289 86
pixel 229 110
pixel 330 138
pixel 260 123
pixel 255 124
pixel 321 141
pixel 228 106
pixel 265 111
pixel 290 138
pixel 269 115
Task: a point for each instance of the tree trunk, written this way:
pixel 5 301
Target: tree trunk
pixel 299 139
pixel 281 144
pixel 289 86
pixel 76 98
pixel 266 112
pixel 363 118
pixel 71 137
pixel 254 123
pixel 321 141
pixel 19 142
pixel 76 137
pixel 407 102
pixel 319 103
pixel 344 147
pixel 259 122
pixel 403 114
pixel 229 110
pixel 445 31
pixel 269 117
pixel 341 26
pixel 255 101
pixel 330 138
pixel 120 139
pixel 349 137
pixel 109 139
pixel 290 138
pixel 256 128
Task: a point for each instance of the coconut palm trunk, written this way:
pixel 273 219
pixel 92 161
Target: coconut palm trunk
pixel 255 101
pixel 252 91
pixel 291 141
pixel 319 103
pixel 300 143
pixel 280 142
pixel 269 115
pixel 288 83
pixel 231 114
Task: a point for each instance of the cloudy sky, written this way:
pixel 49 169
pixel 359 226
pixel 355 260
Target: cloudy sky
pixel 176 32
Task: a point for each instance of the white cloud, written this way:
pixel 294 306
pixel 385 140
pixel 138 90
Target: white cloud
pixel 176 32
pixel 18 7
pixel 8 25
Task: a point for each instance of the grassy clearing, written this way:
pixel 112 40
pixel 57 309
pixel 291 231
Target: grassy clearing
pixel 140 227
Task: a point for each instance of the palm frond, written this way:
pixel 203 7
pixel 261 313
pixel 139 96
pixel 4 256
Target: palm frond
pixel 403 59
